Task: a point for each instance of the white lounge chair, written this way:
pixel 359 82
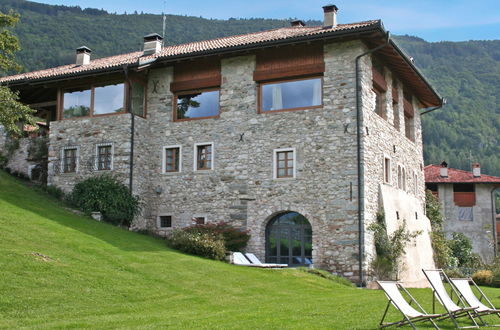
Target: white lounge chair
pixel 239 259
pixel 410 314
pixel 439 291
pixel 254 260
pixel 465 290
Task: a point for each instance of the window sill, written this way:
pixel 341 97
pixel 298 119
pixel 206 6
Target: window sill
pixel 191 119
pixel 293 109
pixel 171 173
pixel 285 179
pixel 203 171
pixel 94 116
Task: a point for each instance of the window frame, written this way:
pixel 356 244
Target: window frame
pixel 96 162
pixel 197 216
pixel 128 99
pixel 164 159
pixel 77 159
pixel 275 163
pixel 158 221
pixel 92 87
pixel 387 170
pixel 285 80
pixel 191 91
pixel 195 158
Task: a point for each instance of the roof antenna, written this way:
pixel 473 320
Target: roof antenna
pixel 164 21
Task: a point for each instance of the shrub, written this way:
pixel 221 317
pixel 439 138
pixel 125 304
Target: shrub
pixel 483 277
pixel 196 243
pixel 234 240
pixel 461 249
pixel 454 273
pixel 106 194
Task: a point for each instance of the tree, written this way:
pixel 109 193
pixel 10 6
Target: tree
pixel 11 110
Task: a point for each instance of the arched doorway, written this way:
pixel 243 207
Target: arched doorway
pixel 289 240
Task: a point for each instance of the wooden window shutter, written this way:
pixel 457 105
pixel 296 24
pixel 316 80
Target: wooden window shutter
pixel 289 62
pixel 465 199
pixel 408 106
pixel 379 82
pixel 395 98
pixel 196 74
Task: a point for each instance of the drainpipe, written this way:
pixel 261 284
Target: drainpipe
pixel 360 169
pixel 493 207
pixel 443 102
pixel 132 130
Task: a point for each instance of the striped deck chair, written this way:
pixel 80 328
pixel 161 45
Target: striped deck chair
pixel 410 314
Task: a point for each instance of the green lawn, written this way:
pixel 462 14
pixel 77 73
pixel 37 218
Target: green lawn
pixel 60 270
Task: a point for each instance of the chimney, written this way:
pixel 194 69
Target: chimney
pixel 83 55
pixel 476 170
pixel 152 43
pixel 330 16
pixel 297 23
pixel 443 171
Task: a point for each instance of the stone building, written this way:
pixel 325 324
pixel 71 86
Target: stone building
pixel 468 204
pixel 299 134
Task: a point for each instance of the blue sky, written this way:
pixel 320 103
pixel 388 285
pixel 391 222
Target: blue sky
pixel 433 20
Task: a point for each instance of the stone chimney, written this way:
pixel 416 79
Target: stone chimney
pixel 330 12
pixel 443 171
pixel 297 23
pixel 476 170
pixel 83 55
pixel 152 43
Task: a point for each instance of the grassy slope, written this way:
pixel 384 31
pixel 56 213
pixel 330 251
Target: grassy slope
pixel 102 276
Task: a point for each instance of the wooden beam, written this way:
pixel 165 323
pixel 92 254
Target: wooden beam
pixel 43 104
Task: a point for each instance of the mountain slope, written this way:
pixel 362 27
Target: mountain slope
pixel 466 73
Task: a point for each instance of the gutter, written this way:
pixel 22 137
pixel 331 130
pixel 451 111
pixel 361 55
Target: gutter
pixel 360 168
pixel 493 208
pixel 443 102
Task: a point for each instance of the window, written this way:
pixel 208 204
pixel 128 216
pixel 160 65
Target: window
pixel 171 159
pixel 465 214
pixel 69 160
pixel 104 159
pixel 379 87
pixel 291 95
pixel 415 183
pixel 165 221
pixel 395 105
pixel 196 105
pixel 93 101
pixel 408 116
pixel 199 220
pixel 284 163
pixel 204 154
pixel 387 170
pixel 76 103
pixel 404 179
pixel 109 99
pixel 400 178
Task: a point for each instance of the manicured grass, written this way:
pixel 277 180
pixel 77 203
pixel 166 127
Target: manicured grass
pixel 60 270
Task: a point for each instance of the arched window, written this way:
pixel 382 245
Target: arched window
pixel 400 182
pixel 289 240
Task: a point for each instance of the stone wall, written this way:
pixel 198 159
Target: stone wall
pixel 86 134
pixel 380 140
pixel 481 229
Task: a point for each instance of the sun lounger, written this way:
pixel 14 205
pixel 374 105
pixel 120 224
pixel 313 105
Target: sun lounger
pixel 410 314
pixel 465 290
pixel 241 260
pixel 254 260
pixel 439 291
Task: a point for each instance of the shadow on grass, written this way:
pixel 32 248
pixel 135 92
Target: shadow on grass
pixel 16 193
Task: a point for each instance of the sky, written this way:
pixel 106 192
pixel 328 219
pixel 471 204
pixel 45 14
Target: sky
pixel 432 20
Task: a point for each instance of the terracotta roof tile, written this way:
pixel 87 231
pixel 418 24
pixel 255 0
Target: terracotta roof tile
pixel 185 49
pixel 432 175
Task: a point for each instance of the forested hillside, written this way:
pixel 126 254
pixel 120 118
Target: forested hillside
pixel 466 73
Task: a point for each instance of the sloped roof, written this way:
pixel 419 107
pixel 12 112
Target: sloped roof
pixel 400 63
pixel 432 175
pixel 186 49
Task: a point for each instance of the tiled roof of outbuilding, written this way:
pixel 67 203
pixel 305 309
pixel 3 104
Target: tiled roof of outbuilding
pixel 432 175
pixel 186 49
